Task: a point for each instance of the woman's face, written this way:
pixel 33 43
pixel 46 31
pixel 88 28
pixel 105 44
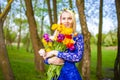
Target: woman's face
pixel 66 19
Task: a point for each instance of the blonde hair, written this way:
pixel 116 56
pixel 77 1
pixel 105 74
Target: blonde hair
pixel 73 18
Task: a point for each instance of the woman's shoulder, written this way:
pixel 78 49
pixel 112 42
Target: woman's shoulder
pixel 78 36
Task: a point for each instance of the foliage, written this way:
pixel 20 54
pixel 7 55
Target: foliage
pixel 20 22
pixel 93 40
pixel 109 39
pixel 10 36
pixel 22 64
pixel 108 57
pixel 23 67
pixel 40 10
pixel 27 43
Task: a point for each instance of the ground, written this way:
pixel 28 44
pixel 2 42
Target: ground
pixel 111 48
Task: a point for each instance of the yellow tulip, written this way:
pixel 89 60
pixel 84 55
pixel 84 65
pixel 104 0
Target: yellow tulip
pixel 50 44
pixel 59 28
pixel 54 26
pixel 48 49
pixel 66 41
pixel 69 31
pixel 44 42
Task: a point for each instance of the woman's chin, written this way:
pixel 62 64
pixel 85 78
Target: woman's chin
pixel 67 26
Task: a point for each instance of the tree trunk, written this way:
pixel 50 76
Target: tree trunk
pixel 19 37
pixel 86 34
pixel 34 36
pixel 70 4
pixel 117 60
pixel 55 11
pixel 50 15
pixel 19 31
pixel 27 42
pixel 99 50
pixel 52 18
pixel 42 21
pixel 4 60
pixel 7 34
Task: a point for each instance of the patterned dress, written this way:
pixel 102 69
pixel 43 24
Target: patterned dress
pixel 69 70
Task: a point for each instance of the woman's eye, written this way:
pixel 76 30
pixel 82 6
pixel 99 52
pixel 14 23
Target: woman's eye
pixel 63 18
pixel 69 18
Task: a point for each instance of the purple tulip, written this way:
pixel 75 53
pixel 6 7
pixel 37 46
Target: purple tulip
pixel 72 48
pixel 60 37
pixel 46 37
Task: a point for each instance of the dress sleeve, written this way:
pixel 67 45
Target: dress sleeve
pixel 46 61
pixel 76 55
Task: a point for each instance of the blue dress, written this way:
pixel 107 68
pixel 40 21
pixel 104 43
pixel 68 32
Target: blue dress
pixel 69 70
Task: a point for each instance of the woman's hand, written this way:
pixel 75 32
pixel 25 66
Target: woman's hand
pixel 55 61
pixel 42 52
pixel 51 54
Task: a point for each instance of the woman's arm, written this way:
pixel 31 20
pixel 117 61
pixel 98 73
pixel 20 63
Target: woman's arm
pixel 77 54
pixel 73 56
pixel 54 61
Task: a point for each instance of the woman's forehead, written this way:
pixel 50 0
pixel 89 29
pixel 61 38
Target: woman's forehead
pixel 65 13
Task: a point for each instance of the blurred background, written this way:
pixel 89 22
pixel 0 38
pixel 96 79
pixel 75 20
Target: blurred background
pixel 23 22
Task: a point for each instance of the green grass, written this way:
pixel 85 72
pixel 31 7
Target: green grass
pixel 22 63
pixel 108 58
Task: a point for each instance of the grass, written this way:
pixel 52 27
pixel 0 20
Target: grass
pixel 22 63
pixel 108 58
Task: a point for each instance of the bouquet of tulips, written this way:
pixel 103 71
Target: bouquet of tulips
pixel 61 40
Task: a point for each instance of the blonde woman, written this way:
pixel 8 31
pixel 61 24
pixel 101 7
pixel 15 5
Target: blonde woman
pixel 68 58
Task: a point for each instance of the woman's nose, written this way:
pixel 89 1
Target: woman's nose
pixel 66 20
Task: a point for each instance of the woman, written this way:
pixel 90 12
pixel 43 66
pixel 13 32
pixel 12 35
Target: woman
pixel 68 58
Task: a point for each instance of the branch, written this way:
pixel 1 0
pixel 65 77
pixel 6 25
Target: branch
pixel 6 10
pixel 22 5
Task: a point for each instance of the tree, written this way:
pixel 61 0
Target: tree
pixel 117 60
pixel 19 31
pixel 49 13
pixel 9 35
pixel 34 36
pixel 55 11
pixel 99 52
pixel 26 42
pixel 53 18
pixel 70 4
pixel 4 60
pixel 41 11
pixel 86 34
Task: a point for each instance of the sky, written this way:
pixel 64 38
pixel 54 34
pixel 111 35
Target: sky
pixel 92 14
pixel 109 16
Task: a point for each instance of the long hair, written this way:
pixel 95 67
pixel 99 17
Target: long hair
pixel 73 18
